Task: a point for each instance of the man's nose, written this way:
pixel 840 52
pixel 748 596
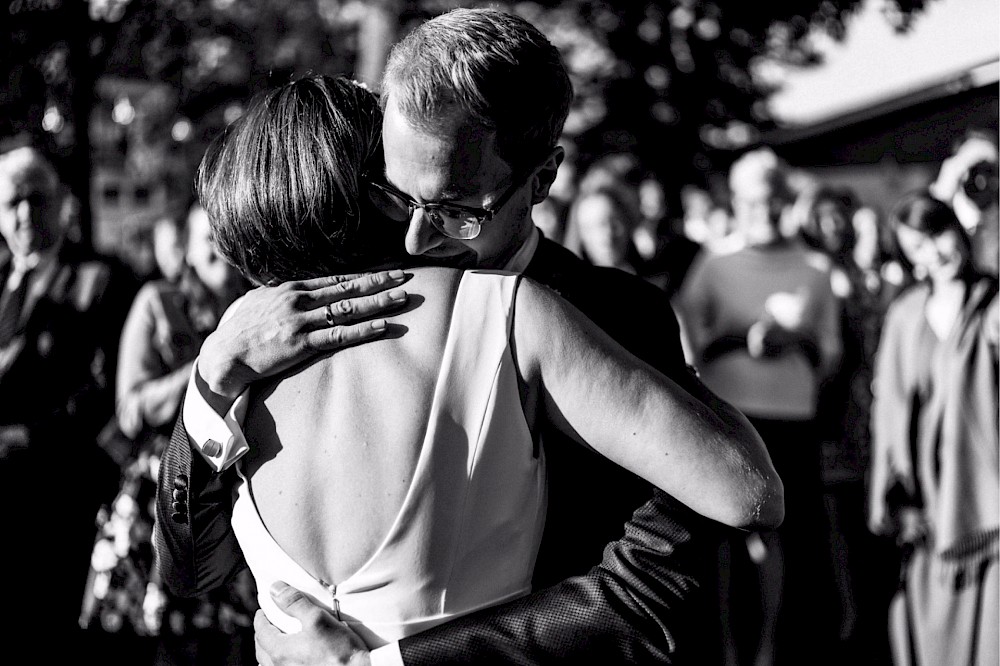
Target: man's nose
pixel 421 234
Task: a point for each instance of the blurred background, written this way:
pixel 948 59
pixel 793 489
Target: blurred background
pixel 130 91
pixel 859 101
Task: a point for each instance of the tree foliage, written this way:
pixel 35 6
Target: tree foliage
pixel 673 81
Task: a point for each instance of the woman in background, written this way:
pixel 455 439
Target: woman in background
pixel 599 230
pixel 935 480
pixel 168 321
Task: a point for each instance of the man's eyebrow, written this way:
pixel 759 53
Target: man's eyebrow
pixel 450 194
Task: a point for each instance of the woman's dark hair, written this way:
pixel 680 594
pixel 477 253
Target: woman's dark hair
pixel 283 185
pixel 922 212
pixel 573 239
pixel 811 231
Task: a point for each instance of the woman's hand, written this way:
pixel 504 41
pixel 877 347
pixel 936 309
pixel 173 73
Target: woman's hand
pixel 273 328
pixel 129 412
pixel 768 339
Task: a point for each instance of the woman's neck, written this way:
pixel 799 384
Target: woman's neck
pixel 944 304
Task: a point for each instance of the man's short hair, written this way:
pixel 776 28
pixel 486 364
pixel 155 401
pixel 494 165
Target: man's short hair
pixel 761 167
pixel 494 68
pixel 28 159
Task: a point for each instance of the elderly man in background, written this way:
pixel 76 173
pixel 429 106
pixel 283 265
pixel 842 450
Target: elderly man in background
pixel 61 313
pixel 765 326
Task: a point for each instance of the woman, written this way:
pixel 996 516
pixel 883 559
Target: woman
pixel 417 471
pixel 935 483
pixel 599 230
pixel 833 226
pixel 765 327
pixel 168 321
pixel 827 228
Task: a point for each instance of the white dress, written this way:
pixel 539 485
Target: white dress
pixel 467 534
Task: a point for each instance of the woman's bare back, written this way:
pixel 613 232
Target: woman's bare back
pixel 336 442
pixel 352 425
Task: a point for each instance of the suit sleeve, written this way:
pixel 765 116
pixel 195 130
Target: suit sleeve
pixel 196 549
pixel 644 603
pixel 647 600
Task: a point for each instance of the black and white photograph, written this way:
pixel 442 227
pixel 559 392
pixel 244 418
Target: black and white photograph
pixel 472 333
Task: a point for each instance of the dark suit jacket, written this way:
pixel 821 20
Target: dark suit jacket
pixel 646 602
pixel 56 381
pixel 61 367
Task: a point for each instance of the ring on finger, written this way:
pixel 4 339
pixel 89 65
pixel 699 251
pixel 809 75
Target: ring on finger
pixel 329 315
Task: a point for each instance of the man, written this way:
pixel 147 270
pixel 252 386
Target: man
pixel 474 104
pixel 60 317
pixel 967 181
pixel 766 326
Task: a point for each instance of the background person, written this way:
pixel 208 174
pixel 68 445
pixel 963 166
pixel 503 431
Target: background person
pixel 935 481
pixel 61 312
pixel 968 183
pixel 765 327
pixel 168 321
pixel 600 228
pixel 168 247
pixel 830 224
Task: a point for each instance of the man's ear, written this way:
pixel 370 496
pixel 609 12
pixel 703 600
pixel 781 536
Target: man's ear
pixel 546 175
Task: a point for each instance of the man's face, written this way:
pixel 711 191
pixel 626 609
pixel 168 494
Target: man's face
pixel 29 204
pixel 457 163
pixel 756 212
pixel 833 224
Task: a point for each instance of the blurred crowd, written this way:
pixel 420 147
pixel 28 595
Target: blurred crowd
pixel 862 346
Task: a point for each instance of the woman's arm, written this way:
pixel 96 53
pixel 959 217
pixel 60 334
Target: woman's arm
pixel 697 448
pixel 160 397
pixel 890 468
pixel 138 363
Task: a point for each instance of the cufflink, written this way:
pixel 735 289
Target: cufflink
pixel 212 448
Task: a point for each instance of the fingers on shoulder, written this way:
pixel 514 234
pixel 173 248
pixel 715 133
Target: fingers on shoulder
pixel 338 337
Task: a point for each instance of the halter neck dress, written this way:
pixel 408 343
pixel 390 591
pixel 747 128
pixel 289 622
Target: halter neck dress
pixel 468 531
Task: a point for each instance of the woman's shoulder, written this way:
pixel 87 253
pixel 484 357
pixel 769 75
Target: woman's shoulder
pixel 435 274
pixel 156 289
pixel 909 303
pixel 444 282
pixel 153 294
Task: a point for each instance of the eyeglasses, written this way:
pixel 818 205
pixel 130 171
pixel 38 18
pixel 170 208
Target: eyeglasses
pixel 453 220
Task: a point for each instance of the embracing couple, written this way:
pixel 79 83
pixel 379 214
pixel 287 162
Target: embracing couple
pixel 514 467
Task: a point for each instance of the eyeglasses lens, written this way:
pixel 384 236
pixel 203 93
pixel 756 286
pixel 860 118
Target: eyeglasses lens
pixel 456 225
pixel 451 222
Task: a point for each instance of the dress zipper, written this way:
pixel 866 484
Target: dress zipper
pixel 335 602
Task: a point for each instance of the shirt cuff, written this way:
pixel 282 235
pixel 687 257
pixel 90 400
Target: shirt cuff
pixel 218 439
pixel 387 655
